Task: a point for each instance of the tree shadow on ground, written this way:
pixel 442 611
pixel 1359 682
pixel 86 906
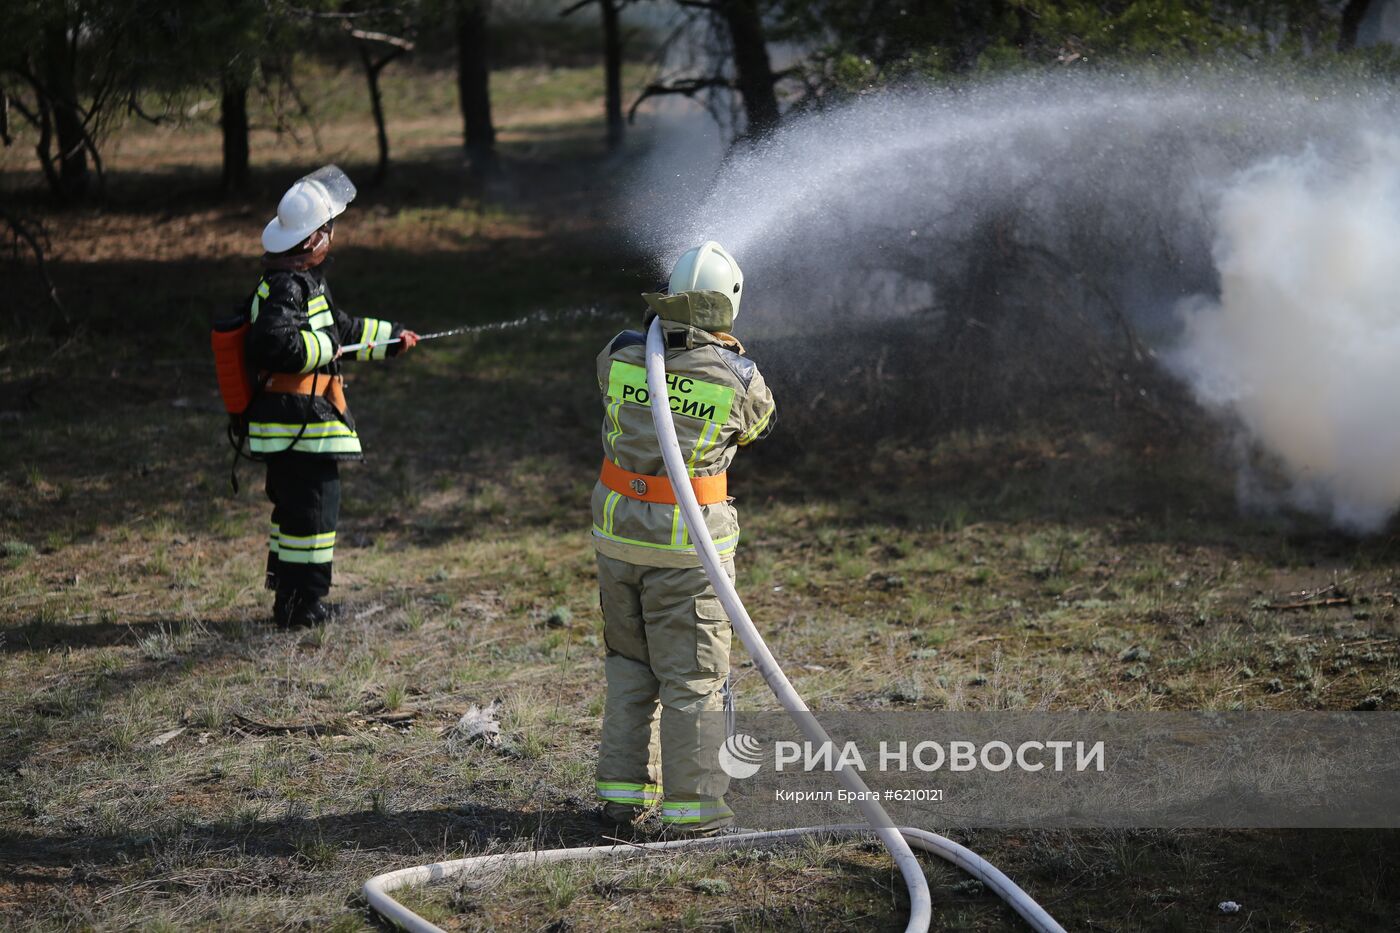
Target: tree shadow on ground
pixel 1343 878
pixel 42 635
pixel 467 829
pixel 210 641
pixel 537 177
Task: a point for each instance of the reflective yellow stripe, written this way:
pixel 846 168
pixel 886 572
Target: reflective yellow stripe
pixel 722 545
pixel 384 330
pixel 318 312
pixel 616 432
pixel 694 807
pixel 374 331
pixel 703 443
pixel 312 348
pixel 694 811
pixel 307 549
pixel 272 539
pixel 609 507
pixel 263 291
pixel 628 785
pixel 324 539
pixel 366 329
pixel 748 436
pixel 318 438
pixel 308 445
pixel 318 348
pixel 627 793
pixel 312 429
pixel 321 556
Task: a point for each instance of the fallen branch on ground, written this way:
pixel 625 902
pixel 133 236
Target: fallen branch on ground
pixel 1311 604
pixel 294 728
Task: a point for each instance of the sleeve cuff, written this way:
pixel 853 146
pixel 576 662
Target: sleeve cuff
pixel 375 331
pixel 760 429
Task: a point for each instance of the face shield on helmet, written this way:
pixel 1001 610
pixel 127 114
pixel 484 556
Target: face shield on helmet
pixel 708 268
pixel 309 203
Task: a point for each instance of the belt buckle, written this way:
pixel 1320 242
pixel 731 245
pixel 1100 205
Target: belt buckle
pixel 638 485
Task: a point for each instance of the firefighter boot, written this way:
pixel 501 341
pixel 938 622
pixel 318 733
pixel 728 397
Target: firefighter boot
pixel 294 609
pixel 281 609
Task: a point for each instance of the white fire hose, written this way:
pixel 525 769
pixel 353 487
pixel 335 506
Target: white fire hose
pixel 897 839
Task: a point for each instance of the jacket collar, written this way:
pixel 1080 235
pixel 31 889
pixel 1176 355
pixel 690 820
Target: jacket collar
pixel 707 310
pixel 703 316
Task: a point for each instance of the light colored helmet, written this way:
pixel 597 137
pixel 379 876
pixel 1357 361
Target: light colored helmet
pixel 308 204
pixel 708 267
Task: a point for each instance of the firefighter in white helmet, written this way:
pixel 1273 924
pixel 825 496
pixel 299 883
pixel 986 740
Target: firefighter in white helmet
pixel 667 636
pixel 298 421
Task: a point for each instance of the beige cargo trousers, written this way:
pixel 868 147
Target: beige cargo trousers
pixel 667 661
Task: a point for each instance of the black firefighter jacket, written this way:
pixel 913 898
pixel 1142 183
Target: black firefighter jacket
pixel 296 328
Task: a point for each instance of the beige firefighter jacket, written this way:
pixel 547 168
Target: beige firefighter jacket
pixel 719 402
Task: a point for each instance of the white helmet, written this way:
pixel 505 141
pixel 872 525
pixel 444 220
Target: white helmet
pixel 708 267
pixel 307 205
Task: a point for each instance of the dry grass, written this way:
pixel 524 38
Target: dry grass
pixel 1015 568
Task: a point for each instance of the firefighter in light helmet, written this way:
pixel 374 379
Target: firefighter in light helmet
pixel 667 635
pixel 298 420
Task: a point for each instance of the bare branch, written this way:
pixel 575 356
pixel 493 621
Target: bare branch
pixel 576 7
pixel 687 87
pixel 133 106
pixel 29 115
pixel 42 118
pixel 347 14
pixel 22 231
pixel 365 35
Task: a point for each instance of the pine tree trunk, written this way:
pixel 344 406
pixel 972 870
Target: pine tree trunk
pixel 71 137
pixel 1352 15
pixel 755 71
pixel 233 120
pixel 376 104
pixel 474 84
pixel 612 67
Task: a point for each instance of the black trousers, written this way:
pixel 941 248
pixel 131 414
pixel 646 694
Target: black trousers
pixel 305 494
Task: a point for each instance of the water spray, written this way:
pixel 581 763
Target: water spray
pixel 371 344
pixel 538 317
pixel 899 840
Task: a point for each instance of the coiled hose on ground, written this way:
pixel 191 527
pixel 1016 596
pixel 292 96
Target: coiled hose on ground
pixel 898 840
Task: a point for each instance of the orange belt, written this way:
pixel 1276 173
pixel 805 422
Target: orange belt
pixel 292 384
pixel 708 489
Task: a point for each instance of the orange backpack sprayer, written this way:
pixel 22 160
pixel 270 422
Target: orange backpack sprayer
pixel 237 382
pixel 229 340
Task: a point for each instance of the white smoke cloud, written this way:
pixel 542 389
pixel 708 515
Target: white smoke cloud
pixel 1303 343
